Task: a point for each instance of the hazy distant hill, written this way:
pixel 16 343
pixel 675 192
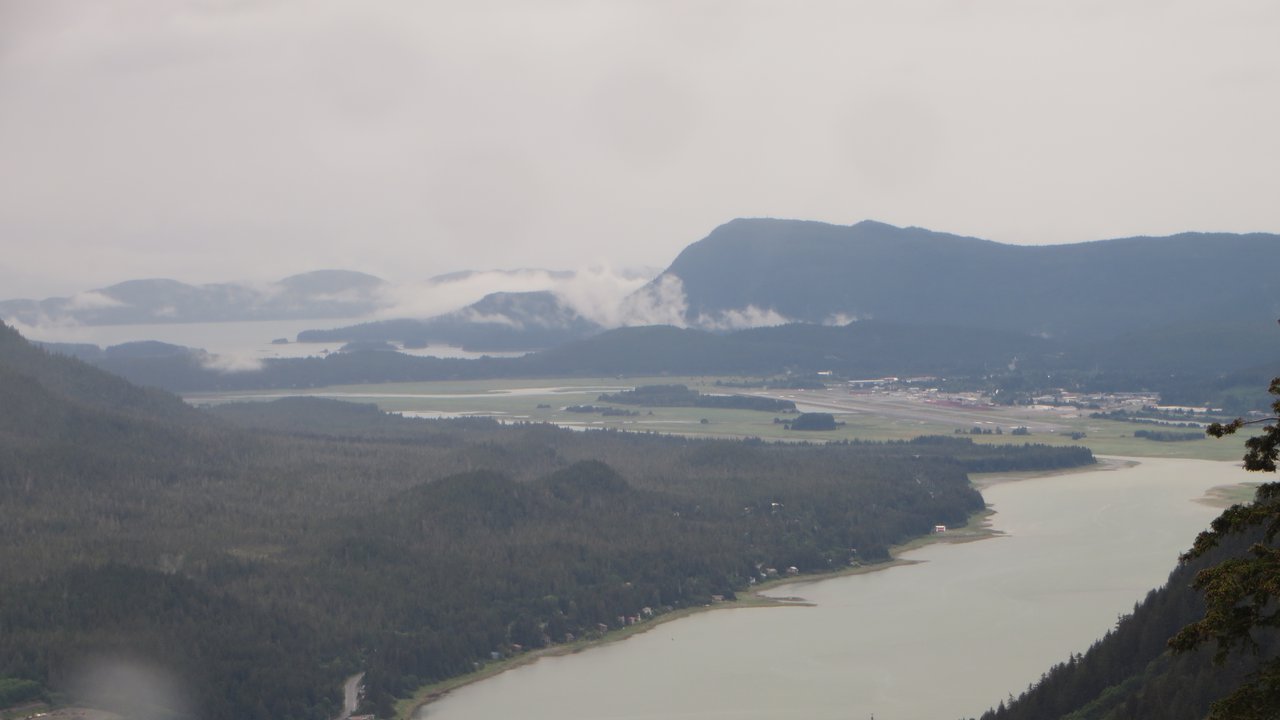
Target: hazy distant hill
pixel 499 321
pixel 815 272
pixel 1191 315
pixel 64 381
pixel 319 294
pixel 1126 302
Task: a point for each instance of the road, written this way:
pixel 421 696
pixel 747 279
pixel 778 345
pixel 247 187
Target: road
pixel 350 695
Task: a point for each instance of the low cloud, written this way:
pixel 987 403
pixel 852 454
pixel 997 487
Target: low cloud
pixel 596 293
pixel 599 293
pixel 663 302
pixel 840 319
pixel 230 363
pixel 448 293
pixel 742 319
pixel 607 296
pixel 48 330
pixel 474 316
pixel 92 300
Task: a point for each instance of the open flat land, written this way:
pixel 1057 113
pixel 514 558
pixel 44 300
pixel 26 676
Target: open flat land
pixel 866 414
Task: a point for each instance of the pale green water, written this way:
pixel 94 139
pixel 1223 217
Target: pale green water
pixel 940 640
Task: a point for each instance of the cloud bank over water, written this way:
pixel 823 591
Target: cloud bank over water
pixel 606 296
pixel 596 297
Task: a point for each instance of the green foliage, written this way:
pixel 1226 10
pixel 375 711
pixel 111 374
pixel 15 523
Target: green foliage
pixel 16 690
pixel 1167 435
pixel 683 396
pixel 810 271
pixel 1242 592
pixel 262 552
pixel 814 421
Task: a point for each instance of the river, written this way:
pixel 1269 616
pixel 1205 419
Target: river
pixel 949 636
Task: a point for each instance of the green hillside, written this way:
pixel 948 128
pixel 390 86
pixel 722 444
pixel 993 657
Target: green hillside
pixel 255 557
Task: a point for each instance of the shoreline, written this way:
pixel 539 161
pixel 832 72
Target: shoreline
pixel 978 527
pixel 1104 463
pixel 407 708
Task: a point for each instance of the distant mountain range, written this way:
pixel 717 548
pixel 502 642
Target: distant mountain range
pixel 313 295
pixel 754 272
pixel 766 296
pixel 318 295
pixel 498 322
pixel 764 272
pixel 818 273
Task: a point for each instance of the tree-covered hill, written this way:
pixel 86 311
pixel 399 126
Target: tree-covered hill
pixel 500 321
pixel 74 382
pixel 811 272
pixel 869 299
pixel 260 554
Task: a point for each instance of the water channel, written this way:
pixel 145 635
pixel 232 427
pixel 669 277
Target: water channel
pixel 947 637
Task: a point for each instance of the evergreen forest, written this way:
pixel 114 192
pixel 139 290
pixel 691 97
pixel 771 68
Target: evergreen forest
pixel 258 554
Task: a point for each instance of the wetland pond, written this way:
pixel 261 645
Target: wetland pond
pixel 948 636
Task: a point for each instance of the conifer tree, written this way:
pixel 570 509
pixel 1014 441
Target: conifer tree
pixel 1242 593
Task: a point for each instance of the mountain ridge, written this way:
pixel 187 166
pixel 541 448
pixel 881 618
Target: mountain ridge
pixel 809 271
pixel 312 295
pixel 500 321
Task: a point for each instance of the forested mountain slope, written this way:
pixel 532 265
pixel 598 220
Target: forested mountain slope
pixel 813 272
pixel 73 382
pixel 258 556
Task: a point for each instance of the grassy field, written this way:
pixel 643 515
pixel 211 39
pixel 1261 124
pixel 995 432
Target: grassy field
pixel 865 418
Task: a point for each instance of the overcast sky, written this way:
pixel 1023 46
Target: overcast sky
pixel 210 140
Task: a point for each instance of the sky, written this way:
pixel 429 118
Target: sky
pixel 247 140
